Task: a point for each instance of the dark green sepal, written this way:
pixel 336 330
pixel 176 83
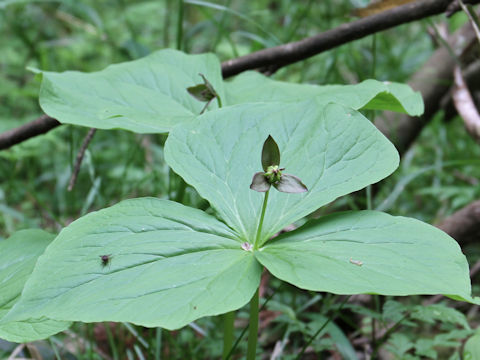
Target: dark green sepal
pixel 200 92
pixel 270 153
pixel 203 92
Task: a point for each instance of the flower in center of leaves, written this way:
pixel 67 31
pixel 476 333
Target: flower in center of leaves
pixel 272 174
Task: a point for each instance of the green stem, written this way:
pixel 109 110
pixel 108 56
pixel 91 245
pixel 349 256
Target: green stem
pixel 260 224
pixel 128 24
pixel 221 31
pixel 180 25
pixel 253 323
pixel 182 185
pixel 54 348
pixel 253 326
pixel 219 101
pixel 158 343
pixel 246 327
pixel 111 341
pixel 374 55
pixel 385 336
pixel 90 341
pixel 228 328
pixel 369 197
pixel 166 24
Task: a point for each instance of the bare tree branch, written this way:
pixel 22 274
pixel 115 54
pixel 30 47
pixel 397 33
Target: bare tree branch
pixel 36 127
pixel 463 225
pixel 471 74
pixel 80 155
pixel 465 106
pixel 433 80
pixel 286 54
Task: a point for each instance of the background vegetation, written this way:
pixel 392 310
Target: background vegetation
pixel 437 176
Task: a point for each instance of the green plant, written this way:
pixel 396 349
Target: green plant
pixel 177 263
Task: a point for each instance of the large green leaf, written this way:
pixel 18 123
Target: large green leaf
pixel 369 252
pixel 18 255
pixel 471 350
pixel 369 94
pixel 150 95
pixel 332 149
pixel 145 96
pixel 168 265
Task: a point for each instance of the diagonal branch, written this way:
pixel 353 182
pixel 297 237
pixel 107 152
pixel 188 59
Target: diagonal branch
pixel 286 54
pixel 80 155
pixel 464 225
pixel 465 106
pixel 433 80
pixel 36 127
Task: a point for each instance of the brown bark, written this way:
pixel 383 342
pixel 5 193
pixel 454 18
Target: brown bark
pixel 433 81
pixel 472 77
pixel 465 106
pixel 286 54
pixel 36 127
pixel 464 225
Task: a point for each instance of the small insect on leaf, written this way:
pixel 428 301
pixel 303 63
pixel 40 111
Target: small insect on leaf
pixel 270 153
pixel 356 262
pixel 105 259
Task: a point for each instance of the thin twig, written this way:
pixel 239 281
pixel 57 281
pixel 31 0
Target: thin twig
pixel 80 155
pixel 454 7
pixel 16 351
pixel 472 17
pixel 381 340
pixel 230 353
pixel 331 318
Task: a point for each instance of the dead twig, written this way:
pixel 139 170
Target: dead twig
pixel 80 155
pixel 471 16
